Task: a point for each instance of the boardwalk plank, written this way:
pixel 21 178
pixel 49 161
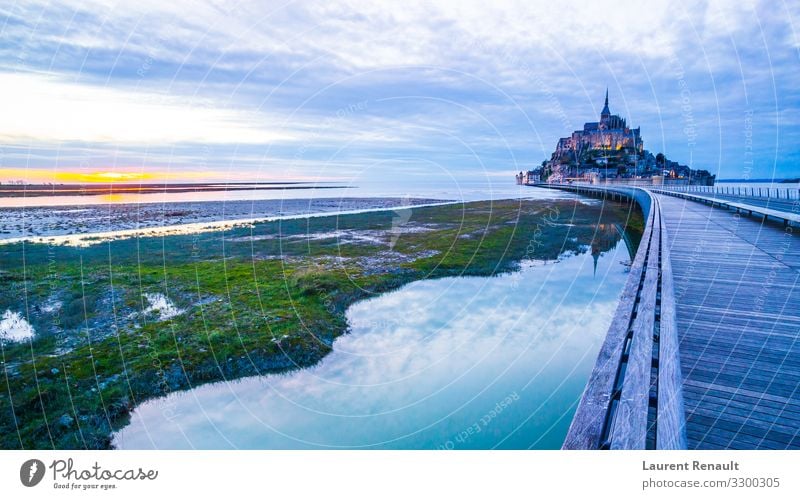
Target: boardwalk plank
pixel 738 319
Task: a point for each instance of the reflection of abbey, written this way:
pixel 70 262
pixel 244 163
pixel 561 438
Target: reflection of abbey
pixel 609 150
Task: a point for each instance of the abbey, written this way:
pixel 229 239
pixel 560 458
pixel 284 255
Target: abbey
pixel 610 150
pixel 611 133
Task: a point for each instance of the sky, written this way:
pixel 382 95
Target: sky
pixel 401 91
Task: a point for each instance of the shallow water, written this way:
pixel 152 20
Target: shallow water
pixel 462 362
pixel 456 189
pixel 84 220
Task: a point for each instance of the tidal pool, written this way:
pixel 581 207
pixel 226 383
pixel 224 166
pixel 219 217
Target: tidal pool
pixel 453 363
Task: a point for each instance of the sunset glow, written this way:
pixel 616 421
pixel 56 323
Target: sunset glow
pixel 45 176
pixel 152 175
pixel 41 176
pixel 102 177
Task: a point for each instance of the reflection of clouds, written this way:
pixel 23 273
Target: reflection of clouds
pixel 419 357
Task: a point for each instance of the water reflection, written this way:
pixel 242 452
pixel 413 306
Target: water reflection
pixel 449 363
pixel 461 190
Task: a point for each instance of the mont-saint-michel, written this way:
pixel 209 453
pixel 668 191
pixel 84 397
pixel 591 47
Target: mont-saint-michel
pixel 609 150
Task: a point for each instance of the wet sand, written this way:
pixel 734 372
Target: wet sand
pixel 130 219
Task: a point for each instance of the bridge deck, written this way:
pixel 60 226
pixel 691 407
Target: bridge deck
pixel 737 289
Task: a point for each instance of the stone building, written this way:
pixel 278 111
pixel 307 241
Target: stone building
pixel 611 133
pixel 609 149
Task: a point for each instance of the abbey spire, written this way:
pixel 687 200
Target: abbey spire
pixel 605 113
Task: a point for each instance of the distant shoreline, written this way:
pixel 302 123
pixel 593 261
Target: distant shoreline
pixel 30 190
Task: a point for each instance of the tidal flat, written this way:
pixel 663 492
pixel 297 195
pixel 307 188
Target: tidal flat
pixel 46 223
pixel 121 322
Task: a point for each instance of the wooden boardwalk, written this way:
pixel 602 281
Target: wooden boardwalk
pixel 633 399
pixel 737 291
pixel 712 306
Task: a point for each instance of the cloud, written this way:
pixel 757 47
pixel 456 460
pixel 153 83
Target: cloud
pixel 353 35
pixel 170 74
pixel 39 107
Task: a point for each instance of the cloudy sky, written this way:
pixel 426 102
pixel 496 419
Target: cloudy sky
pixel 270 90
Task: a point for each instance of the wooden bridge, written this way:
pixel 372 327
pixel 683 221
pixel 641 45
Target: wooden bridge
pixel 704 349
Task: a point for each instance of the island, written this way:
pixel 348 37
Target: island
pixel 610 151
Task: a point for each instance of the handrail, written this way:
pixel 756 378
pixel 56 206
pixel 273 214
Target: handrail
pixel 784 216
pixel 634 399
pixel 763 192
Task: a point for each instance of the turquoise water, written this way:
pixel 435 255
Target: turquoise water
pixel 454 363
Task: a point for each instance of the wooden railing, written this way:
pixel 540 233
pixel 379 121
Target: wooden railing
pixel 634 399
pixel 788 192
pixel 785 217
